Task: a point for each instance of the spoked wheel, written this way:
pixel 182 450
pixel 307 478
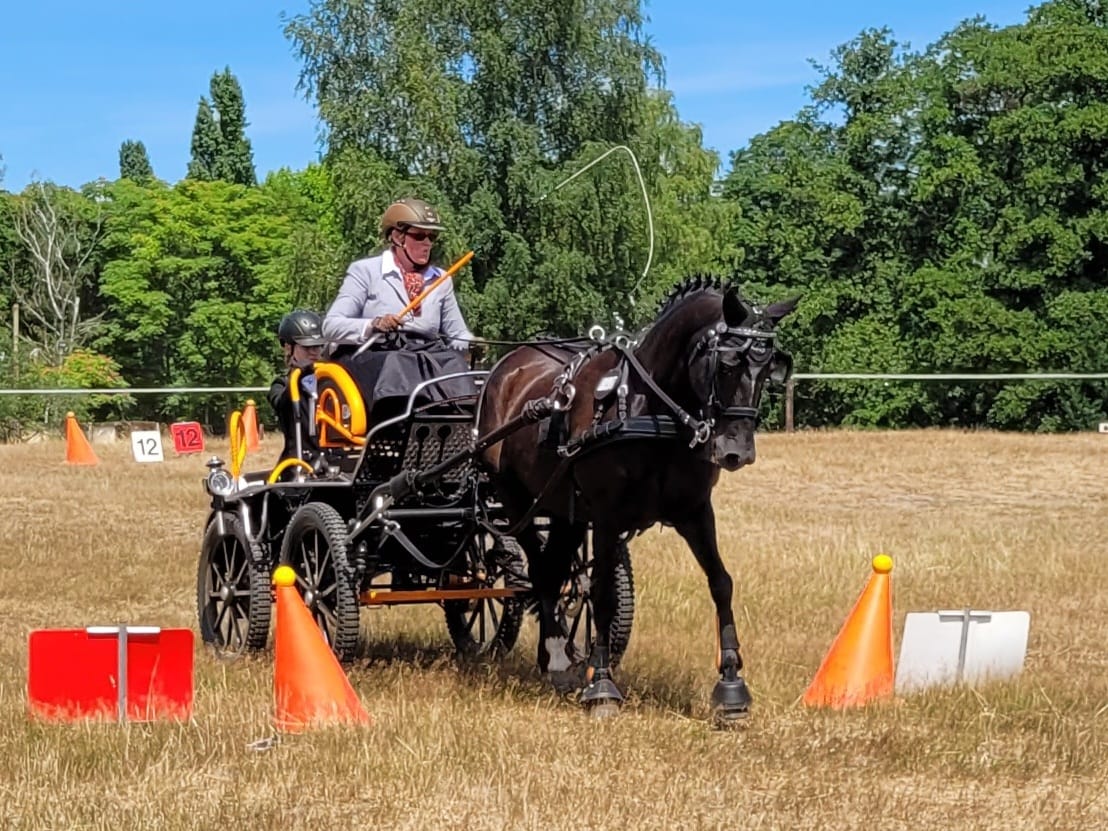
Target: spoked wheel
pixel 489 627
pixel 315 547
pixel 575 611
pixel 233 594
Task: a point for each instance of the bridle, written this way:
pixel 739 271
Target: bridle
pixel 719 340
pixel 723 339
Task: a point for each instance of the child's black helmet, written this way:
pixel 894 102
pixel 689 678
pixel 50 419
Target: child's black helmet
pixel 302 327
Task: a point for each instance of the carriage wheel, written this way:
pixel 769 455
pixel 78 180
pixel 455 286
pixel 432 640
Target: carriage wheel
pixel 233 594
pixel 574 611
pixel 315 547
pixel 489 627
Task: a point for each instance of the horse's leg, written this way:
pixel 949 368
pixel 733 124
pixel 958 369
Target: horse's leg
pixel 601 697
pixel 549 567
pixel 730 698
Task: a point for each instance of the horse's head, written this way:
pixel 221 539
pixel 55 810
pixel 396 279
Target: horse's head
pixel 732 361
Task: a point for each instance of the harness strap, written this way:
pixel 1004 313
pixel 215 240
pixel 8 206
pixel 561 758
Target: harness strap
pixel 635 427
pixel 701 429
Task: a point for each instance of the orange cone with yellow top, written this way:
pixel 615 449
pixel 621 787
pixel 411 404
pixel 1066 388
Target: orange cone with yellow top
pixel 858 668
pixel 310 687
pixel 77 449
pixel 250 422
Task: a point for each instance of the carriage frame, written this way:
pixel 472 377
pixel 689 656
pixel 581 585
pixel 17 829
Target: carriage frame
pixel 400 515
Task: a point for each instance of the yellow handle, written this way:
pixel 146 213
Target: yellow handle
pixel 442 278
pixel 294 385
pixel 236 428
pixel 285 465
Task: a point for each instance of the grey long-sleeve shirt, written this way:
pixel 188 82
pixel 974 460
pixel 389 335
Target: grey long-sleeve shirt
pixel 374 286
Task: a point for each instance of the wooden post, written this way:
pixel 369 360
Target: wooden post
pixel 790 387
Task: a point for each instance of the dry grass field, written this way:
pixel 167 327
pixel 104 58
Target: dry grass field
pixel 986 520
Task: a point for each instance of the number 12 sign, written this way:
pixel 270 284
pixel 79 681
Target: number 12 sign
pixel 146 445
pixel 188 437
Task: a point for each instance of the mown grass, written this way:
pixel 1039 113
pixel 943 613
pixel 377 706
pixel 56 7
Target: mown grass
pixel 971 519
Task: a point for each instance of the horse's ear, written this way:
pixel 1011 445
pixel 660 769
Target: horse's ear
pixel 735 310
pixel 776 311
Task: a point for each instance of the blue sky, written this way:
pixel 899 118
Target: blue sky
pixel 78 78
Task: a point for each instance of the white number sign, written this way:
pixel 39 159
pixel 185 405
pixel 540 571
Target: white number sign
pixel 146 445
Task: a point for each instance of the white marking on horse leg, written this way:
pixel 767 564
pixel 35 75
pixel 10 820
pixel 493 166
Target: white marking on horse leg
pixel 556 649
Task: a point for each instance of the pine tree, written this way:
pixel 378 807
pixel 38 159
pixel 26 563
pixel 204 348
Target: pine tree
pixel 206 145
pixel 134 164
pixel 236 159
pixel 220 148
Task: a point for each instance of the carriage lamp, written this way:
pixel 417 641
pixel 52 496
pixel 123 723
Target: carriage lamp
pixel 219 482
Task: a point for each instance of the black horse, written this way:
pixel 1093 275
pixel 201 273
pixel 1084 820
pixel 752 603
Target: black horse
pixel 639 433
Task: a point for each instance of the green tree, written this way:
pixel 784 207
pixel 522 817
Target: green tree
pixel 206 145
pixel 317 254
pixel 486 109
pixel 220 148
pixel 823 205
pixel 195 283
pixel 944 212
pixel 134 164
pixel 1011 203
pixel 236 157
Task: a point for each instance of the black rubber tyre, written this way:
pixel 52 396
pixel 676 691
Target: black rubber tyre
pixel 315 547
pixel 488 628
pixel 575 611
pixel 233 592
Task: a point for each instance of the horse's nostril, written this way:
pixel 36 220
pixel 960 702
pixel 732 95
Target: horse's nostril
pixel 732 461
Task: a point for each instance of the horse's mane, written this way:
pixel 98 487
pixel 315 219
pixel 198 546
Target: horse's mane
pixel 695 284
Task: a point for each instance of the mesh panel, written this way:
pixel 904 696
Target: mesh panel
pixel 431 442
pixel 416 445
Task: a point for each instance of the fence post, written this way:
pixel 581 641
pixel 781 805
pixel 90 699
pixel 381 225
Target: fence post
pixel 15 341
pixel 790 386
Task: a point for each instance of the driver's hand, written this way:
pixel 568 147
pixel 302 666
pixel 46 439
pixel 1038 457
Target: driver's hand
pixel 386 323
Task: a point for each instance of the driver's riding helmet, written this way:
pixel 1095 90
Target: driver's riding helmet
pixel 410 213
pixel 302 327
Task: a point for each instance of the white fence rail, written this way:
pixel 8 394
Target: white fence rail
pixel 799 376
pixel 790 387
pixel 132 390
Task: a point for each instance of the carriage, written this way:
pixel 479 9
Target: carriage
pixel 522 496
pixel 394 511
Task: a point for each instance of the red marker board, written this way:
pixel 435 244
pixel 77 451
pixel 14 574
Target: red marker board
pixel 73 674
pixel 188 437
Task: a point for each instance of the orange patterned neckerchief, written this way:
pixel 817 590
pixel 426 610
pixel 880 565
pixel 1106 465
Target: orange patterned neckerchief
pixel 413 284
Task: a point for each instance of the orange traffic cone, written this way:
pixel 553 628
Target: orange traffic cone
pixel 859 666
pixel 77 449
pixel 310 688
pixel 250 422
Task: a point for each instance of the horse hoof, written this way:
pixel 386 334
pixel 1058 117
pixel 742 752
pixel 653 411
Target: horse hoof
pixel 731 696
pixel 602 690
pixel 602 710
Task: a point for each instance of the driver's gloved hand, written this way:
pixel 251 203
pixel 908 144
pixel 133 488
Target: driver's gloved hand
pixel 386 323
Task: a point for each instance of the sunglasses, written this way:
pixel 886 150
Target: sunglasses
pixel 420 236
